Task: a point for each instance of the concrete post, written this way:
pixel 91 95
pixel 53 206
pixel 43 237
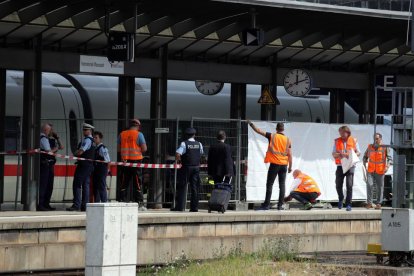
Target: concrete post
pixel 111 239
pixel 2 128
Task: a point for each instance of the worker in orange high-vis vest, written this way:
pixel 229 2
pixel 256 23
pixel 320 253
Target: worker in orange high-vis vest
pixel 131 147
pixel 304 189
pixel 342 148
pixel 379 160
pixel 280 157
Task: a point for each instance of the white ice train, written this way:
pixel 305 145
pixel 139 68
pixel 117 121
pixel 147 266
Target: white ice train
pixel 77 97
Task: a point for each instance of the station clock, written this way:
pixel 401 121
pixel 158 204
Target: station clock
pixel 297 82
pixel 207 87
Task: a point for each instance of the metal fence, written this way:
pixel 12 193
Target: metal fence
pixel 165 141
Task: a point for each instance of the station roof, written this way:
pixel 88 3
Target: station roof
pixel 301 34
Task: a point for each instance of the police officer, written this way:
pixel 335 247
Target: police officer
pixel 55 145
pixel 101 169
pixel 46 170
pixel 84 168
pixel 189 155
pixel 131 146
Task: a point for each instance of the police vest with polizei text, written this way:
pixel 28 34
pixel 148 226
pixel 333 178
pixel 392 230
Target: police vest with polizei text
pixel 192 154
pixel 89 153
pixel 99 157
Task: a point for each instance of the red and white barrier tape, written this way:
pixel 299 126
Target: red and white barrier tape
pixel 14 152
pixel 124 164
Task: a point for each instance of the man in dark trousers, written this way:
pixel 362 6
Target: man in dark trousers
pixel 220 162
pixel 189 155
pixel 279 155
pixel 46 169
pixel 84 169
pixel 131 146
pixel 101 169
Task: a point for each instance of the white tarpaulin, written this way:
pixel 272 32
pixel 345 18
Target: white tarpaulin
pixel 312 145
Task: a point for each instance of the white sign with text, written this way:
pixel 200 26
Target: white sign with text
pixel 98 64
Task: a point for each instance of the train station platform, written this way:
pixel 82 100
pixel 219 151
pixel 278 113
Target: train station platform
pixel 31 241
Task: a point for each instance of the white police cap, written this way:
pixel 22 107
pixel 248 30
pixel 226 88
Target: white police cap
pixel 87 126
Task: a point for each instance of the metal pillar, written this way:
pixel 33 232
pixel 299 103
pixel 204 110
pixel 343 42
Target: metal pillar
pixel 158 112
pixel 333 107
pixel 370 97
pixel 364 114
pixel 238 101
pixel 126 105
pixel 2 128
pixel 337 107
pixel 268 111
pixel 32 92
pixel 126 101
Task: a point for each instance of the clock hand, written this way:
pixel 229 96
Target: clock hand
pixel 297 77
pixel 301 81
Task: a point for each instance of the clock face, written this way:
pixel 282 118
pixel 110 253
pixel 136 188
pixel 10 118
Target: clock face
pixel 207 87
pixel 297 82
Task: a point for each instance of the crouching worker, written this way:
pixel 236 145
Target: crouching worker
pixel 304 189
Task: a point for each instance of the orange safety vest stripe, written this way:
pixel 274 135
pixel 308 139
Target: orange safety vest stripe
pixel 129 148
pixel 340 146
pixel 308 185
pixel 377 159
pixel 278 149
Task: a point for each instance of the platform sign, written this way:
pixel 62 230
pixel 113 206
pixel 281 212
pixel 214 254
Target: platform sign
pixel 266 97
pixel 98 64
pixel 388 81
pixel 162 130
pixel 384 94
pixel 253 37
pixel 121 46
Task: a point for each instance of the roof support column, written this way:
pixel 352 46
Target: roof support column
pixel 268 111
pixel 370 97
pixel 2 128
pixel 126 101
pixel 238 101
pixel 32 95
pixel 158 113
pixel 337 105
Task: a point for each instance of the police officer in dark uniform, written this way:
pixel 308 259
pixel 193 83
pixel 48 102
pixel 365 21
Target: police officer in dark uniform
pixel 55 145
pixel 46 170
pixel 101 169
pixel 83 170
pixel 189 155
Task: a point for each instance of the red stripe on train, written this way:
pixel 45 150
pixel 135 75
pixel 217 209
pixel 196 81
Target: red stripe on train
pixel 60 170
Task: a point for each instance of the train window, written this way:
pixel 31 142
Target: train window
pixel 73 131
pixel 12 133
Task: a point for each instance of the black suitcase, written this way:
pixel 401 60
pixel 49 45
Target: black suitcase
pixel 220 196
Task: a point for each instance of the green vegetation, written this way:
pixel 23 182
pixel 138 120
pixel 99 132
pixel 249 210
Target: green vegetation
pixel 276 257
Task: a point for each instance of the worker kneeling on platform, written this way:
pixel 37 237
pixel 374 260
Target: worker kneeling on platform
pixel 304 189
